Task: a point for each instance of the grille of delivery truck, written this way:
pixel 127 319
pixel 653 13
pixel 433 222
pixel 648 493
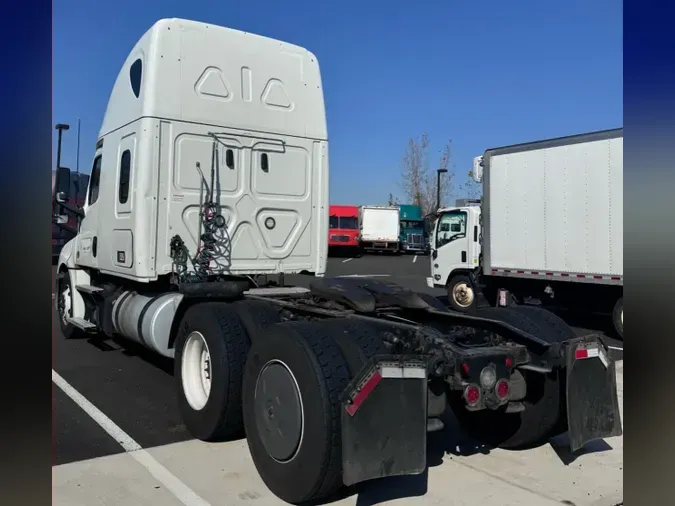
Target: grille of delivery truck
pixel 340 238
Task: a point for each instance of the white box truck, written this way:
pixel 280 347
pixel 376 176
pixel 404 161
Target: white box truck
pixel 380 227
pixel 549 227
pixel 211 168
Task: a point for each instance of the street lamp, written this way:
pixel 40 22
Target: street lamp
pixel 438 187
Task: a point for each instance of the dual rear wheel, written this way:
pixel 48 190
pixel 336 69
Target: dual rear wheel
pixel 239 370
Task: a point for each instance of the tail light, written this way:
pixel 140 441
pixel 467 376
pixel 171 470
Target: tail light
pixel 472 395
pixel 502 389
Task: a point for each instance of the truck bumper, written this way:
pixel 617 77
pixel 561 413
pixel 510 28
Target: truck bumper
pixel 592 401
pixel 384 420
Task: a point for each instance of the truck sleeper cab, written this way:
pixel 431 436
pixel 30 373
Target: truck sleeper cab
pixel 211 171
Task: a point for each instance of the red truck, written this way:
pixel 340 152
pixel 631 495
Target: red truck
pixel 343 228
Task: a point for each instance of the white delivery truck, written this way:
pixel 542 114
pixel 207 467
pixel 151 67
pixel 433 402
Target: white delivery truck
pixel 211 169
pixel 380 228
pixel 549 227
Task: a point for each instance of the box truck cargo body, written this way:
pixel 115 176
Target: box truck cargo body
pixel 550 226
pixel 380 228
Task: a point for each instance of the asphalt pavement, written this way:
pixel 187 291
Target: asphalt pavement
pixel 135 392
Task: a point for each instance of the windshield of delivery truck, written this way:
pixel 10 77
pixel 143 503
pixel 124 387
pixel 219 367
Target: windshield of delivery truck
pixel 344 222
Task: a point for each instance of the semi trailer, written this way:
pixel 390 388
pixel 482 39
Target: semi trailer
pixel 211 174
pixel 380 228
pixel 549 228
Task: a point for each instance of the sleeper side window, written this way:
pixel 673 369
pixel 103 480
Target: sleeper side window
pixel 125 176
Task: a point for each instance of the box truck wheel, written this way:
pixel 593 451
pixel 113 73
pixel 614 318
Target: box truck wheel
pixel 461 293
pixel 211 349
pixel 617 317
pixel 541 418
pixel 293 380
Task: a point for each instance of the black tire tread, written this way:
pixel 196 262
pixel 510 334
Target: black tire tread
pixel 236 343
pixel 257 315
pixel 333 373
pixel 358 341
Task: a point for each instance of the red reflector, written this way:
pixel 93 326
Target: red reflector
pixel 465 368
pixel 581 353
pixel 363 394
pixel 472 395
pixel 502 389
pixel 509 362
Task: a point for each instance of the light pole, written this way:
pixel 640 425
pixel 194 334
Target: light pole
pixel 438 187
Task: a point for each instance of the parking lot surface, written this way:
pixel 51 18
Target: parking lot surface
pixel 119 439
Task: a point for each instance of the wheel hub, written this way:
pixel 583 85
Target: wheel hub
pixel 278 411
pixel 196 371
pixel 463 294
pixel 64 302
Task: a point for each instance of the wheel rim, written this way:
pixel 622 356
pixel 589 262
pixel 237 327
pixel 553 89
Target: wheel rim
pixel 279 413
pixel 64 301
pixel 196 371
pixel 462 293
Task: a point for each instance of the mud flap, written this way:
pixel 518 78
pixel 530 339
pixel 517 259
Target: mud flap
pixel 384 420
pixel 592 401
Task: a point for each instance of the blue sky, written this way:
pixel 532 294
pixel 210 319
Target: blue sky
pixel 482 73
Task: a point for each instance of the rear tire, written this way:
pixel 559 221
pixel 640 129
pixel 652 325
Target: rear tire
pixel 294 377
pixel 211 347
pixel 544 410
pixel 257 315
pixel 617 317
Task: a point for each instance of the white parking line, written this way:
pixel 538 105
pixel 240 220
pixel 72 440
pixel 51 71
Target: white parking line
pixel 347 260
pixel 364 276
pixel 615 348
pixel 415 259
pixel 179 489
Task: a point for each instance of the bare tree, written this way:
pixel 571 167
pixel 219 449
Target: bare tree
pixel 470 188
pixel 392 201
pixel 419 182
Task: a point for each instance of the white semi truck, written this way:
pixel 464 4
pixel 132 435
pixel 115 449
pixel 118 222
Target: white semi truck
pixel 211 172
pixel 380 227
pixel 549 227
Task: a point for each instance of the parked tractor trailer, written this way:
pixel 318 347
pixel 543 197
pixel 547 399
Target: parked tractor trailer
pixel 205 183
pixel 549 227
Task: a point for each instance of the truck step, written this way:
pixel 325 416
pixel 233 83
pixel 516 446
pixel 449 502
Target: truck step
pixel 277 290
pixel 88 289
pixel 83 324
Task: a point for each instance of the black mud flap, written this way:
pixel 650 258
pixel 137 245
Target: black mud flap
pixel 592 402
pixel 384 420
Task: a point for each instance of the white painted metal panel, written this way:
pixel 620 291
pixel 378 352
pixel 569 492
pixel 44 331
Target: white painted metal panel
pixel 379 223
pixel 558 209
